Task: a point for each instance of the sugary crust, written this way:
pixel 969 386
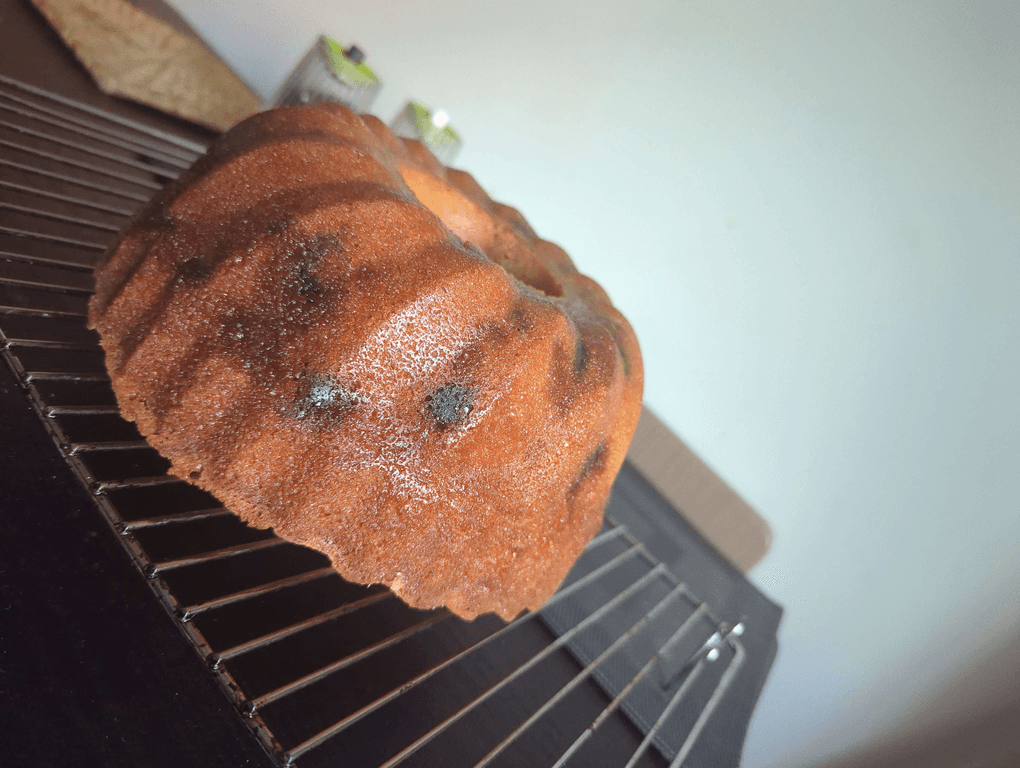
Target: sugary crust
pixel 439 408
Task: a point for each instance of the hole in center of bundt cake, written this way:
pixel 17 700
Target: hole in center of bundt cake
pixel 472 221
pixel 536 278
pixel 449 404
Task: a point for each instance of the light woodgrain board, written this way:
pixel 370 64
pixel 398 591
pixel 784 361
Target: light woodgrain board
pixel 709 504
pixel 134 55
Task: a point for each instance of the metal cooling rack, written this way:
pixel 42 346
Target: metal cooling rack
pixel 624 666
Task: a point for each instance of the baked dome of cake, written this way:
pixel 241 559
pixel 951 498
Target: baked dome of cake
pixel 343 340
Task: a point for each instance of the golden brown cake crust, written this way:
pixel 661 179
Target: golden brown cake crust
pixel 439 408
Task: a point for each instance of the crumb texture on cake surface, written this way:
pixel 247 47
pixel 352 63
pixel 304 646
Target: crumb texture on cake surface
pixel 344 340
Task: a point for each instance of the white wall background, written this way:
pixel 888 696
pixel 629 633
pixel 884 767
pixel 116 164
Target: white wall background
pixel 810 211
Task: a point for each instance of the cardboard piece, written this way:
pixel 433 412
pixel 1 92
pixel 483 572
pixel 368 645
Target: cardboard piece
pixel 131 54
pixel 712 507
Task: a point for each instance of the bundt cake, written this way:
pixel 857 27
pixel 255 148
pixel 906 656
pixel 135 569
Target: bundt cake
pixel 345 341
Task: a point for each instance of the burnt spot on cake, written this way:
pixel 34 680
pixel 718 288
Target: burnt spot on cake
pixel 564 382
pixel 593 465
pixel 621 347
pixel 279 226
pixel 320 395
pixel 449 404
pixel 312 253
pixel 520 318
pixel 318 247
pixel 193 271
pixel 310 256
pixel 581 355
pixel 307 284
pixel 595 462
